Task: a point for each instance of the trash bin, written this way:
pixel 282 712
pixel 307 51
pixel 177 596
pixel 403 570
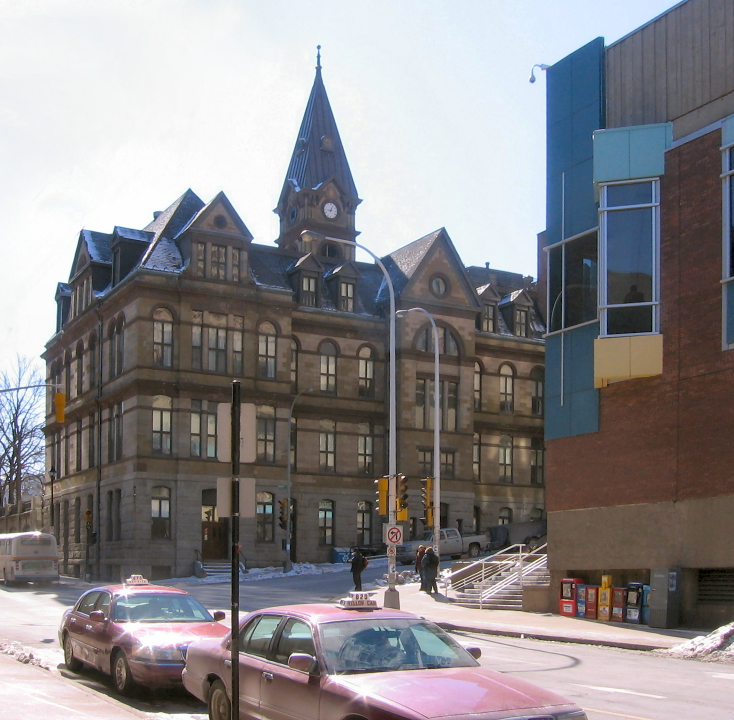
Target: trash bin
pixel 340 555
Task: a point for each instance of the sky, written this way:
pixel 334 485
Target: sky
pixel 110 110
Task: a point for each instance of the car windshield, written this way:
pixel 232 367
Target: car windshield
pixel 159 608
pixel 377 645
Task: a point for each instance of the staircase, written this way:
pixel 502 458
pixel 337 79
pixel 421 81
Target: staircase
pixel 221 570
pixel 496 583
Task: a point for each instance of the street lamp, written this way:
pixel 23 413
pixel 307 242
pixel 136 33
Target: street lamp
pixel 391 599
pixel 436 427
pixel 52 478
pixel 288 563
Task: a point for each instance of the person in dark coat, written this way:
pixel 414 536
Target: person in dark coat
pixel 359 563
pixel 419 563
pixel 430 564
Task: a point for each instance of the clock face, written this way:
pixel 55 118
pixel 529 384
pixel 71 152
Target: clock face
pixel 330 210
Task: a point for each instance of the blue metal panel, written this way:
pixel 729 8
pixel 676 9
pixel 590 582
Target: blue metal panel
pixel 553 360
pixel 581 208
pixel 647 150
pixel 557 419
pixel 580 357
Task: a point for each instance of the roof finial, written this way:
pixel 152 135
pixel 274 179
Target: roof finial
pixel 318 57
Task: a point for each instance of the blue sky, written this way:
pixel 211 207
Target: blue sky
pixel 109 111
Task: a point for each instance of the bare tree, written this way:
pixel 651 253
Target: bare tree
pixel 21 429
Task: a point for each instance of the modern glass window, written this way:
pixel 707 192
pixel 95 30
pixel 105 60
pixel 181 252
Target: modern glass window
pixel 238 340
pixel 217 355
pixel 477 386
pixel 365 449
pixel 424 404
pixel 327 375
pixel 728 168
pixel 326 522
pixel 366 372
pixel 203 429
pixel 447 343
pixel 266 433
pixel 364 523
pixel 327 445
pixel 162 420
pixel 507 389
pixel 162 338
pixel 346 296
pixel 572 282
pixel 629 222
pixel 160 513
pixel 505 459
pixel 307 295
pixel 266 343
pixel 265 517
pixel 505 516
pixel 487 322
pixel 537 461
pixel 218 261
pixel 476 457
pixel 537 380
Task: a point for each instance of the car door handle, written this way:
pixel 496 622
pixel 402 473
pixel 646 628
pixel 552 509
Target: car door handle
pixel 228 663
pixel 268 676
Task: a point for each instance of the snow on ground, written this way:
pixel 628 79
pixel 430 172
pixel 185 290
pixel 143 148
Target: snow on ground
pixel 717 646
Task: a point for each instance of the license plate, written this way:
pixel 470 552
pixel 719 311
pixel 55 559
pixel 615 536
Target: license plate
pixel 35 565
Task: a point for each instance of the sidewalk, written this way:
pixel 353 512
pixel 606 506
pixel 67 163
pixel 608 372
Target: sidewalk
pixel 516 623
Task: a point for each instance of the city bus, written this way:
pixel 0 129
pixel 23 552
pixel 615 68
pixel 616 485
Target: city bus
pixel 28 557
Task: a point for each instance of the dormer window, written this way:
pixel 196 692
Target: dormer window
pixel 307 295
pixel 200 259
pixel 218 258
pixel 346 296
pixel 521 322
pixel 487 320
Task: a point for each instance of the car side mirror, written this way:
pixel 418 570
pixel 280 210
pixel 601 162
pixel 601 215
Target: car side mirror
pixel 218 615
pixel 475 652
pixel 303 662
pixel 97 616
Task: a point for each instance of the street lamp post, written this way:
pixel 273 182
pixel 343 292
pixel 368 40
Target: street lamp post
pixel 436 428
pixel 52 479
pixel 288 563
pixel 391 599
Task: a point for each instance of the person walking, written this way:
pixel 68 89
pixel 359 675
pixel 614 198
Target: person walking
pixel 419 563
pixel 430 565
pixel 359 562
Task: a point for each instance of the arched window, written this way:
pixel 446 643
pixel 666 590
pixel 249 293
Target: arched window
pixel 364 523
pixel 477 386
pixel 67 373
pixel 505 517
pixel 328 354
pixel 265 513
pixel 536 514
pixel 366 372
pixel 326 522
pixel 162 417
pixel 266 342
pixel 80 368
pixel 294 365
pixel 116 335
pixel 162 338
pixel 266 433
pixel 507 389
pixel 476 457
pixel 537 378
pixel 505 459
pixel 160 513
pixel 92 363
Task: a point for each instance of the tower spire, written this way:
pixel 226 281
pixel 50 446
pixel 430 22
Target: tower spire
pixel 318 58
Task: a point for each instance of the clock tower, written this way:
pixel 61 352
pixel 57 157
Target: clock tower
pixel 319 192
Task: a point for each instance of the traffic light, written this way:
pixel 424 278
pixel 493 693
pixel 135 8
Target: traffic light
pixel 402 499
pixel 381 495
pixel 283 515
pixel 427 500
pixel 60 406
pixel 88 518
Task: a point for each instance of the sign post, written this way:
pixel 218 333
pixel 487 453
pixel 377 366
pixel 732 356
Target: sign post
pixel 234 646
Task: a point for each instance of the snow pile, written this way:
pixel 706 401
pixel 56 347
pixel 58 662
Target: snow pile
pixel 26 655
pixel 717 646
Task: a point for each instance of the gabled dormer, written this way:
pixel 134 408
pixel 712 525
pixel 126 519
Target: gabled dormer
pixel 305 275
pixel 516 308
pixel 489 299
pixel 318 193
pixel 63 304
pixel 127 247
pixel 216 241
pixel 342 284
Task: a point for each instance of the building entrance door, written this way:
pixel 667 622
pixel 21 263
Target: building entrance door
pixel 213 530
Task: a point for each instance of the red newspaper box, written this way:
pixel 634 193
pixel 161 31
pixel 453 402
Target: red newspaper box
pixel 619 600
pixel 592 598
pixel 569 596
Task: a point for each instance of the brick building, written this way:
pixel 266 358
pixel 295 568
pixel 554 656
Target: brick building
pixel 638 264
pixel 154 323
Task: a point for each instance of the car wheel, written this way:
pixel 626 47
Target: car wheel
pixel 219 708
pixel 6 581
pixel 474 550
pixel 72 663
pixel 121 677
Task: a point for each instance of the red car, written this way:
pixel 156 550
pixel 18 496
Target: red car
pixel 321 662
pixel 136 632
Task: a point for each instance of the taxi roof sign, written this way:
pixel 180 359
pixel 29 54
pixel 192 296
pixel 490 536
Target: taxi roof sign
pixel 136 580
pixel 358 601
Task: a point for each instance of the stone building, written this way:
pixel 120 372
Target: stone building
pixel 154 324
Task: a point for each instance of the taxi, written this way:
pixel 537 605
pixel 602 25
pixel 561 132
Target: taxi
pixel 136 632
pixel 356 660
